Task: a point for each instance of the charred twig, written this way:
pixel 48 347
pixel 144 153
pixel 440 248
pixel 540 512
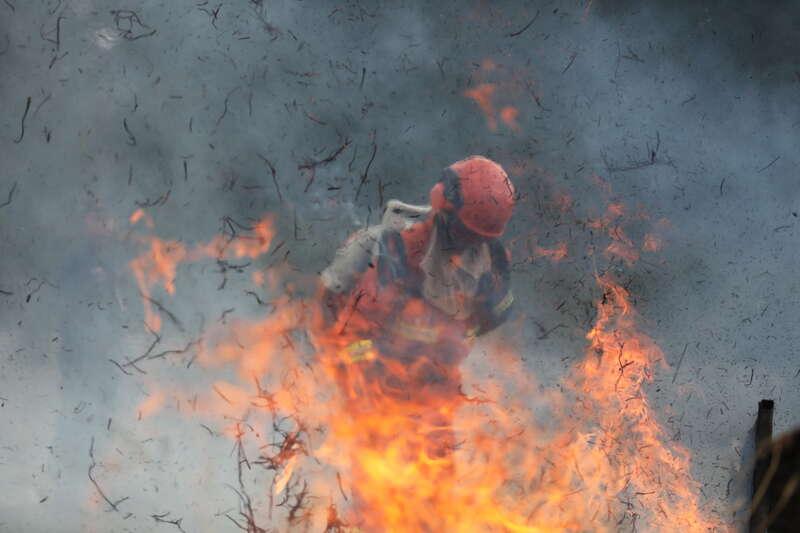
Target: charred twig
pixel 525 27
pixel 44 101
pixel 10 5
pixel 341 488
pixel 22 122
pixel 245 502
pixel 535 96
pixel 632 56
pixel 360 295
pixel 37 289
pixel 161 200
pixel 55 58
pixel 162 518
pixel 352 160
pixel 120 367
pixel 146 354
pixel 213 13
pixel 221 395
pixel 225 108
pixel 225 313
pixel 314 119
pixel 296 229
pixel 232 224
pixel 678 366
pixel 311 166
pixel 10 195
pixel 259 301
pixel 126 21
pixel 274 176
pixel 113 504
pixel 572 57
pixel 544 333
pixel 269 399
pixel 769 165
pixel 652 159
pixel 258 7
pixel 298 512
pixel 185 349
pixel 365 176
pixel 131 138
pixel 56 30
pixel 224 266
pixel 164 310
pixel 334 524
pixel 381 187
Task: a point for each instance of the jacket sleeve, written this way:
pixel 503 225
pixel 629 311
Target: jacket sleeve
pixel 494 300
pixel 351 260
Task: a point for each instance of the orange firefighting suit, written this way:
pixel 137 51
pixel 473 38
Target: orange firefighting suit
pixel 413 294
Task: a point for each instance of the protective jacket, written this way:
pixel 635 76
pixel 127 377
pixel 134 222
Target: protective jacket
pixel 408 293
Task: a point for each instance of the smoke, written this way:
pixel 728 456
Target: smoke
pixel 687 110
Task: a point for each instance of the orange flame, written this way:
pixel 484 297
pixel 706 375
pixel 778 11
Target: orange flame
pixel 555 254
pixel 367 441
pixel 482 95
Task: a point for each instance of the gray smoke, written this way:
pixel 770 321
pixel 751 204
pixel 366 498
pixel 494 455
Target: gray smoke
pixel 689 111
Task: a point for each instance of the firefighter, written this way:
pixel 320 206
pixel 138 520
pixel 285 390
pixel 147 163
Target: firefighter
pixel 411 294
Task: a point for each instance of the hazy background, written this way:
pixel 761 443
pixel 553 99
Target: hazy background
pixel 689 110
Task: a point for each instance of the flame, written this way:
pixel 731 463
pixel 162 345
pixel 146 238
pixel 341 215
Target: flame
pixel 159 265
pixel 482 95
pixel 151 404
pixel 350 437
pixel 509 116
pixel 652 243
pixel 555 254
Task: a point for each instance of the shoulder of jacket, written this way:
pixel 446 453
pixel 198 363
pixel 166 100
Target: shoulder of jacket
pixel 400 216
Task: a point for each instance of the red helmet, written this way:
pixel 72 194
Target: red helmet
pixel 478 190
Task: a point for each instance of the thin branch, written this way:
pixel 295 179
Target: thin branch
pixel 365 176
pixel 311 166
pixel 113 504
pixel 22 122
pixel 528 25
pixel 274 176
pixel 162 519
pixel 10 195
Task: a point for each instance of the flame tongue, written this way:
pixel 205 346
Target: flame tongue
pixel 363 440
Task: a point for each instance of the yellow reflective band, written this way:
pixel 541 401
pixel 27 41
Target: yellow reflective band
pixel 360 350
pixel 416 333
pixel 504 304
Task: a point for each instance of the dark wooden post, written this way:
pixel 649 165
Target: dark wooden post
pixel 763 433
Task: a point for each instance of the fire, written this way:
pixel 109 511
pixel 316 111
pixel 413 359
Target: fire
pixel 509 116
pixel 652 243
pixel 482 95
pixel 347 442
pixel 555 254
